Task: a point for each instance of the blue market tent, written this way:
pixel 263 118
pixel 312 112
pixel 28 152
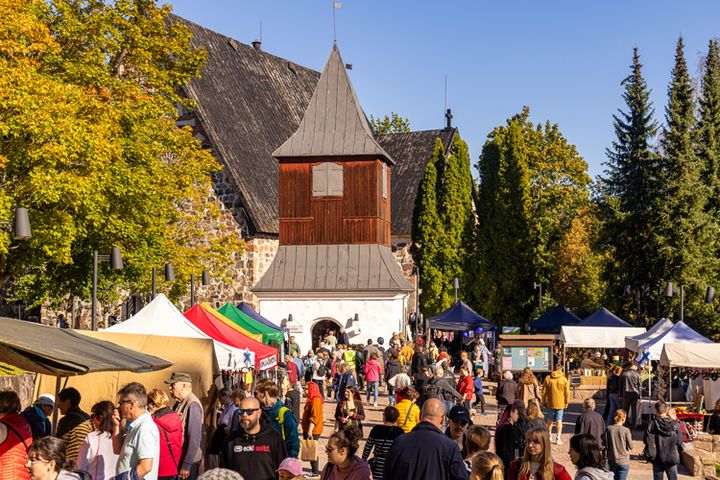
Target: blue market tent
pixel 553 320
pixel 460 317
pixel 250 312
pixel 602 317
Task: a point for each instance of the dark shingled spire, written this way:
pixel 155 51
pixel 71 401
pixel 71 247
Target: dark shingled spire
pixel 334 124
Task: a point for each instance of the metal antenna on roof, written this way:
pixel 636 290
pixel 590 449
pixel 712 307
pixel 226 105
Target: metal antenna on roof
pixel 260 30
pixel 335 6
pixel 445 108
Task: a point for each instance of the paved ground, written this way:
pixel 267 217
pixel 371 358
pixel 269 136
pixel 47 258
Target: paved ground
pixel 639 469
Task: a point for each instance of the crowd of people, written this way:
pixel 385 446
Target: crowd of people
pixel 267 432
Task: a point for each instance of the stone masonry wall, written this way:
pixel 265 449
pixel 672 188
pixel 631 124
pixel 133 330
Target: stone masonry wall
pixel 403 257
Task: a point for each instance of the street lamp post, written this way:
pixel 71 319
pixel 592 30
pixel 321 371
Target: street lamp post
pixel 169 277
pixel 456 286
pixel 538 286
pixel 116 263
pixel 669 291
pixel 204 280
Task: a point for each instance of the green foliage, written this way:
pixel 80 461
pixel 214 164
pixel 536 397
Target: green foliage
pixel 533 185
pixel 630 201
pixel 88 143
pixel 709 127
pixel 392 124
pixel 429 236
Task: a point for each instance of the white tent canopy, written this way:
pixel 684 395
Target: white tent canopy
pixel 679 333
pixel 161 318
pixel 597 337
pixel 690 355
pixel 631 343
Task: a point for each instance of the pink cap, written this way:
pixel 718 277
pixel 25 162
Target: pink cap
pixel 291 465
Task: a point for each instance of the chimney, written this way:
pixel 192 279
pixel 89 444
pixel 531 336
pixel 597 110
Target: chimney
pixel 256 45
pixel 448 118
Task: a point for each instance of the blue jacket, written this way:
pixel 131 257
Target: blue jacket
pixel 289 425
pixel 425 453
pixel 478 385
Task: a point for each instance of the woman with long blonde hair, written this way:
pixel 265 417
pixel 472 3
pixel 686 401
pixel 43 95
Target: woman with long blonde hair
pixel 528 387
pixel 486 466
pixel 536 462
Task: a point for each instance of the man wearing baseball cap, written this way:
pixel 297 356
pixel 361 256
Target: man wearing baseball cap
pixel 190 409
pixel 38 415
pixel 459 417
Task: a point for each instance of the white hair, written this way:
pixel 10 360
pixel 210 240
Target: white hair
pixel 507 375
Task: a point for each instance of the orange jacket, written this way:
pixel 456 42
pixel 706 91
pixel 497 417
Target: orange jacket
pixel 313 413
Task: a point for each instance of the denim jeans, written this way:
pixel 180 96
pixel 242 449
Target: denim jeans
pixel 614 401
pixel 620 471
pixel 658 472
pixel 391 395
pixel 372 386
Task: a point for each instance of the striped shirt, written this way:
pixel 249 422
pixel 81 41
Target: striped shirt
pixel 381 438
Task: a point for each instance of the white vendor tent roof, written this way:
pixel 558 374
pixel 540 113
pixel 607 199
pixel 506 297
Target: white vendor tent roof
pixel 600 337
pixel 706 355
pixel 631 343
pixel 161 318
pixel 679 333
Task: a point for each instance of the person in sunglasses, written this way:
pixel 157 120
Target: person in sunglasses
pixel 255 450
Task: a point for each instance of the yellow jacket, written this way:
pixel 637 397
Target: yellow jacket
pixel 405 421
pixel 556 391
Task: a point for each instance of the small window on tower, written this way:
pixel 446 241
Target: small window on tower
pixel 384 180
pixel 327 180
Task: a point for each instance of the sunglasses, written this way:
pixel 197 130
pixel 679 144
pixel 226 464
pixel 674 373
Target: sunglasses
pixel 247 411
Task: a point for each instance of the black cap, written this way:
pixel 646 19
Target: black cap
pixel 459 413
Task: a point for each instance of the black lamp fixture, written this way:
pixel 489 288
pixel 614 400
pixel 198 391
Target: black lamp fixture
pixel 710 295
pixel 169 277
pixel 116 263
pixel 204 281
pixel 538 286
pixel 669 291
pixel 22 224
pixel 456 286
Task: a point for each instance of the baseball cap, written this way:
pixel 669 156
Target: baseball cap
pixel 459 413
pixel 46 399
pixel 179 377
pixel 291 465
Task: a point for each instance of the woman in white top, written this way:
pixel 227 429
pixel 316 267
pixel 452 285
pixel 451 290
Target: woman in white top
pixel 96 453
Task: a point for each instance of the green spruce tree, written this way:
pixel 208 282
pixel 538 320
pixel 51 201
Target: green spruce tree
pixel 630 193
pixel 429 236
pixel 709 127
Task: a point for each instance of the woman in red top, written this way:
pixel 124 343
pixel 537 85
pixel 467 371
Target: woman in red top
pixel 536 462
pixel 465 387
pixel 15 438
pixel 373 370
pixel 171 433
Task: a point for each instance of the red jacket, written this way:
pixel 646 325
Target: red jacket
pixel 171 437
pixel 559 472
pixel 12 451
pixel 292 371
pixel 373 370
pixel 465 387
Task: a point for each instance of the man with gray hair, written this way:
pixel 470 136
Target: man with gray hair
pixel 139 447
pixel 591 422
pixel 190 409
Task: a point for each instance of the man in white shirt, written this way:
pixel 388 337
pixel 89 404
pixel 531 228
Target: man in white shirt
pixel 139 448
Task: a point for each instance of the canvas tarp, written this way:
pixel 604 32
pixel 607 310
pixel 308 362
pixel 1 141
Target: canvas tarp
pixel 600 337
pixel 207 320
pixel 602 317
pixel 459 317
pixel 632 343
pixel 705 355
pixel 160 317
pixel 62 352
pixel 553 320
pixel 249 324
pixel 249 311
pixel 191 355
pixel 679 333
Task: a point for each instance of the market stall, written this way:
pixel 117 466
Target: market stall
pixel 249 311
pixel 160 317
pixel 553 320
pixel 602 317
pixel 269 335
pixel 681 332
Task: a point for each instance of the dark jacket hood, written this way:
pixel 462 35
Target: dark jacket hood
pixel 664 426
pixel 170 423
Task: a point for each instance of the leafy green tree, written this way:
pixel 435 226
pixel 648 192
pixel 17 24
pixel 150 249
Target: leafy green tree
pixel 389 124
pixel 630 187
pixel 456 213
pixel 429 236
pixel 88 143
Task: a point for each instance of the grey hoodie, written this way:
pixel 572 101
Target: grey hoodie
pixel 592 473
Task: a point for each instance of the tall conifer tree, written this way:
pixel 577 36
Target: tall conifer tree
pixel 429 236
pixel 630 188
pixel 709 127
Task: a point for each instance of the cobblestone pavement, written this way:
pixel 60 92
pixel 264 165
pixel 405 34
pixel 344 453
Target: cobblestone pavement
pixel 639 469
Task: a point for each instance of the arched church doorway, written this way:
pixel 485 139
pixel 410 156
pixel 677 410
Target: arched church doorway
pixel 321 329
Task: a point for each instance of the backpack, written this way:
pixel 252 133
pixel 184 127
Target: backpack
pixel 321 371
pixel 281 419
pixel 431 390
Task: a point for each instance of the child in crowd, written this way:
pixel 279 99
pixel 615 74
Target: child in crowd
pixel 478 386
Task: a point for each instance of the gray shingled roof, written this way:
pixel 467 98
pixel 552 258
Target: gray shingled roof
pixel 412 152
pixel 334 123
pixel 248 103
pixel 333 268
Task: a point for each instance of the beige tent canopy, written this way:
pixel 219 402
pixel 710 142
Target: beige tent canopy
pixel 63 353
pixel 195 356
pixel 693 355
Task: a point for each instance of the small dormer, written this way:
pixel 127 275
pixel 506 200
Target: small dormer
pixel 334 177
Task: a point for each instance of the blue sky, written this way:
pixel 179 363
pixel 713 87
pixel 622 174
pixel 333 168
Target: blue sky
pixel 563 59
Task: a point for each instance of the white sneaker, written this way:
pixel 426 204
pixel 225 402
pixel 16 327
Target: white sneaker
pixel 552 438
pixel 375 404
pixel 559 441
